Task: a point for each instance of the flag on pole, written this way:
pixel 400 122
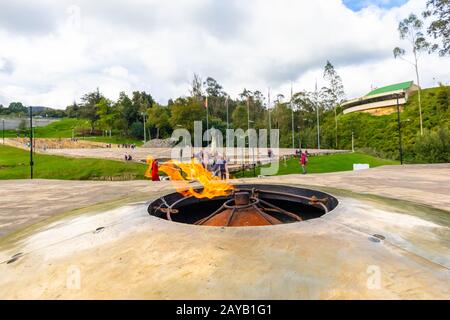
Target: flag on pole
pixel 206 103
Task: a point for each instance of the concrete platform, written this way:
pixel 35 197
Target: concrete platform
pixel 117 250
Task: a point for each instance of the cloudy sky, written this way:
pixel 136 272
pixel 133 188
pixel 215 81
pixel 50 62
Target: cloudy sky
pixel 51 52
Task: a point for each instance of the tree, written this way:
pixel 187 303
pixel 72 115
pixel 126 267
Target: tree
pixel 281 115
pixel 107 114
pixel 137 130
pixel 159 119
pixel 88 109
pixel 245 94
pixel 213 88
pixel 410 29
pixel 239 117
pixel 196 90
pixel 17 107
pixel 184 112
pixel 433 147
pixel 440 27
pixel 216 98
pixel 73 111
pixel 129 111
pixel 279 98
pixel 443 99
pixel 335 92
pixel 142 101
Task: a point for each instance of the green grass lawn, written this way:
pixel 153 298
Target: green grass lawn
pixel 14 164
pixel 325 163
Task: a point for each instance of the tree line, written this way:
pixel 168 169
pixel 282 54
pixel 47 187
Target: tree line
pixel 250 108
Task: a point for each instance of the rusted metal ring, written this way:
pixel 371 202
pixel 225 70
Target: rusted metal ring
pixel 228 204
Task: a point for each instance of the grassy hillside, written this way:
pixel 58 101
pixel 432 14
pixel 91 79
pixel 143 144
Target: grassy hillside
pixel 326 163
pixel 379 134
pixel 63 129
pixel 14 164
pixel 58 129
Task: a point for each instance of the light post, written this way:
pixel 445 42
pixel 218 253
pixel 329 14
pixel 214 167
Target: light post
pixel 31 142
pixel 353 142
pixel 318 119
pixel 299 139
pixel 253 149
pixel 248 113
pixel 145 133
pixel 228 121
pixel 207 118
pixel 3 131
pixel 400 145
pixel 292 118
pixel 268 109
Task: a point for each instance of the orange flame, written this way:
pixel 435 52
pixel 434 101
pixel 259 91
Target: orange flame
pixel 179 171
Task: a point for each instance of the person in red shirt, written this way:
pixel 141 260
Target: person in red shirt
pixel 303 161
pixel 152 171
pixel 155 175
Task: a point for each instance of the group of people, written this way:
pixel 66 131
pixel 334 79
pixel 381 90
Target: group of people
pixel 128 157
pixel 127 146
pixel 217 164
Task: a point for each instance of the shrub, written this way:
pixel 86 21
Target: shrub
pixel 433 147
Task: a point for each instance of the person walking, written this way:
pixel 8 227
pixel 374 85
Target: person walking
pixel 303 161
pixel 222 163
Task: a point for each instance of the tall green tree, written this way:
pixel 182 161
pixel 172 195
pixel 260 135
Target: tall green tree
pixel 131 110
pixel 185 111
pixel 142 101
pixel 334 91
pixel 439 28
pixel 196 90
pixel 239 117
pixel 159 120
pixel 129 113
pixel 17 107
pixel 213 88
pixel 216 98
pixel 108 114
pixel 281 119
pixel 73 111
pixel 410 29
pixel 88 109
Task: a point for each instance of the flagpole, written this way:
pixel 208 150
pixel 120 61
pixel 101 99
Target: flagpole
pixel 207 118
pixel 268 109
pixel 292 110
pixel 226 103
pixel 318 121
pixel 248 113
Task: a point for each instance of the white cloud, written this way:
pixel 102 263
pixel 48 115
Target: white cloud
pixel 69 48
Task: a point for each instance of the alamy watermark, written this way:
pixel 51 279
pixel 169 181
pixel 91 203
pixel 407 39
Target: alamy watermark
pixel 238 146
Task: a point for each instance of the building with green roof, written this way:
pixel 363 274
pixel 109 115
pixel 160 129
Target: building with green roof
pixel 382 100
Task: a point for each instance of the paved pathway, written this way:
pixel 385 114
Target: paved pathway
pixel 23 202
